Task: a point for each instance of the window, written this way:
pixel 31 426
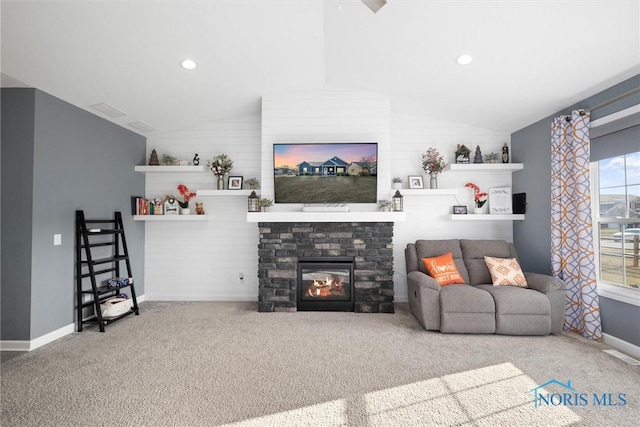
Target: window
pixel 617 192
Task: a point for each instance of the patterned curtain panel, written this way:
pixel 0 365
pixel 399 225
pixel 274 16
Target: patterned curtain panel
pixel 571 227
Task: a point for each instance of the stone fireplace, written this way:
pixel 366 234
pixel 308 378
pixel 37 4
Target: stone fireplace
pixel 366 246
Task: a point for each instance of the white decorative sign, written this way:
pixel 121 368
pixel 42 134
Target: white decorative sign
pixel 500 201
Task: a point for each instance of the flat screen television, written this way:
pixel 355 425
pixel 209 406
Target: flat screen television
pixel 332 173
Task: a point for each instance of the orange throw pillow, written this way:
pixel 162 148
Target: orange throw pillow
pixel 443 269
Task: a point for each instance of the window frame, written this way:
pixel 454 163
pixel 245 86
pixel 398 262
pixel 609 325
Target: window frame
pixel 616 292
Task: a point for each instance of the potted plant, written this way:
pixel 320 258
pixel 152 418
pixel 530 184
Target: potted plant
pixel 479 198
pixel 433 163
pixel 252 183
pixel 396 182
pixel 384 205
pixel 187 195
pixel 168 159
pixel 492 157
pixel 221 165
pixel 266 204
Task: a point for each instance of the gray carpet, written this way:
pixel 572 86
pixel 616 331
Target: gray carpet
pixel 215 363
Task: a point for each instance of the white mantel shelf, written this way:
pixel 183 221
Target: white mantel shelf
pixel 326 216
pixel 487 217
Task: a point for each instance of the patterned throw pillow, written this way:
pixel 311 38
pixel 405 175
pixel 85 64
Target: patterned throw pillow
pixel 506 272
pixel 443 269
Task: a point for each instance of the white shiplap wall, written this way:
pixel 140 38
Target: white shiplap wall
pixel 202 260
pixel 327 114
pixel 428 216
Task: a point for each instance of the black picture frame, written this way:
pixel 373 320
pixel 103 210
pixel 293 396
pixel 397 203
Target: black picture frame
pixel 460 210
pixel 235 183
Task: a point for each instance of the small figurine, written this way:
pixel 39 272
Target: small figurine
pixel 462 154
pixel 153 160
pixel 478 156
pixel 170 206
pixel 505 153
pixel 196 160
pixel 199 208
pixel 158 207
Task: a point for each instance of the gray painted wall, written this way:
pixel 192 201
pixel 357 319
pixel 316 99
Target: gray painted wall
pixel 532 146
pixel 79 161
pixel 17 195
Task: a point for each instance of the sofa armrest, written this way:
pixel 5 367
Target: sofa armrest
pixel 424 299
pixel 418 278
pixel 554 289
pixel 544 283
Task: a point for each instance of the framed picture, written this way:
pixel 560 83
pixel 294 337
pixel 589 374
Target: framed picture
pixel 460 210
pixel 415 181
pixel 235 183
pixel 500 201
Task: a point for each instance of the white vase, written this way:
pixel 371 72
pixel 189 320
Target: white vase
pixel 184 211
pixel 481 211
pixel 433 181
pixel 397 185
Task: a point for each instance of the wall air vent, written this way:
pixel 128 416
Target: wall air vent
pixel 141 126
pixel 108 110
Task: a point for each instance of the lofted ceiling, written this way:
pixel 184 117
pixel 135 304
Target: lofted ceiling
pixel 530 58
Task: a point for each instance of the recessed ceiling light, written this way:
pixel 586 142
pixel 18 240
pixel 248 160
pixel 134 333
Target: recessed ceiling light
pixel 188 64
pixel 464 59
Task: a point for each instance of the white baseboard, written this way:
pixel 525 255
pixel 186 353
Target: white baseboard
pixel 623 346
pixel 182 297
pixel 26 345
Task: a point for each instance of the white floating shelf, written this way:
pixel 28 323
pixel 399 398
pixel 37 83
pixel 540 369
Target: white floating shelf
pixel 426 191
pixel 225 193
pixel 484 167
pixel 326 216
pixel 171 217
pixel 169 169
pixel 487 217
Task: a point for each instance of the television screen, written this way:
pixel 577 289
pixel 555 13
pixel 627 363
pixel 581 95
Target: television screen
pixel 325 173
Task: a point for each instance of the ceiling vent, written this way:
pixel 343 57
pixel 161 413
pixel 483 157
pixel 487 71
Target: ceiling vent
pixel 141 126
pixel 108 110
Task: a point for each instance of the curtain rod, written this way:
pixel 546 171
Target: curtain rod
pixel 614 99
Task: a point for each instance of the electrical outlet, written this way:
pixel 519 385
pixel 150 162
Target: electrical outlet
pixel 57 239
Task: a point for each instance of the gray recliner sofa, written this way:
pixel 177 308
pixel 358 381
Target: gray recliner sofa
pixel 478 307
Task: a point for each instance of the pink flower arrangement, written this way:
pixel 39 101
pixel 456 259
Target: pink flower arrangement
pixel 432 162
pixel 479 197
pixel 188 195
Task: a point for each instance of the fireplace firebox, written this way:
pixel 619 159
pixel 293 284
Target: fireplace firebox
pixel 325 284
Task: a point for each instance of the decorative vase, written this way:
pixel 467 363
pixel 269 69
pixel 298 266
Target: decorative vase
pixel 185 211
pixel 481 211
pixel 433 181
pixel 397 185
pixel 220 184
